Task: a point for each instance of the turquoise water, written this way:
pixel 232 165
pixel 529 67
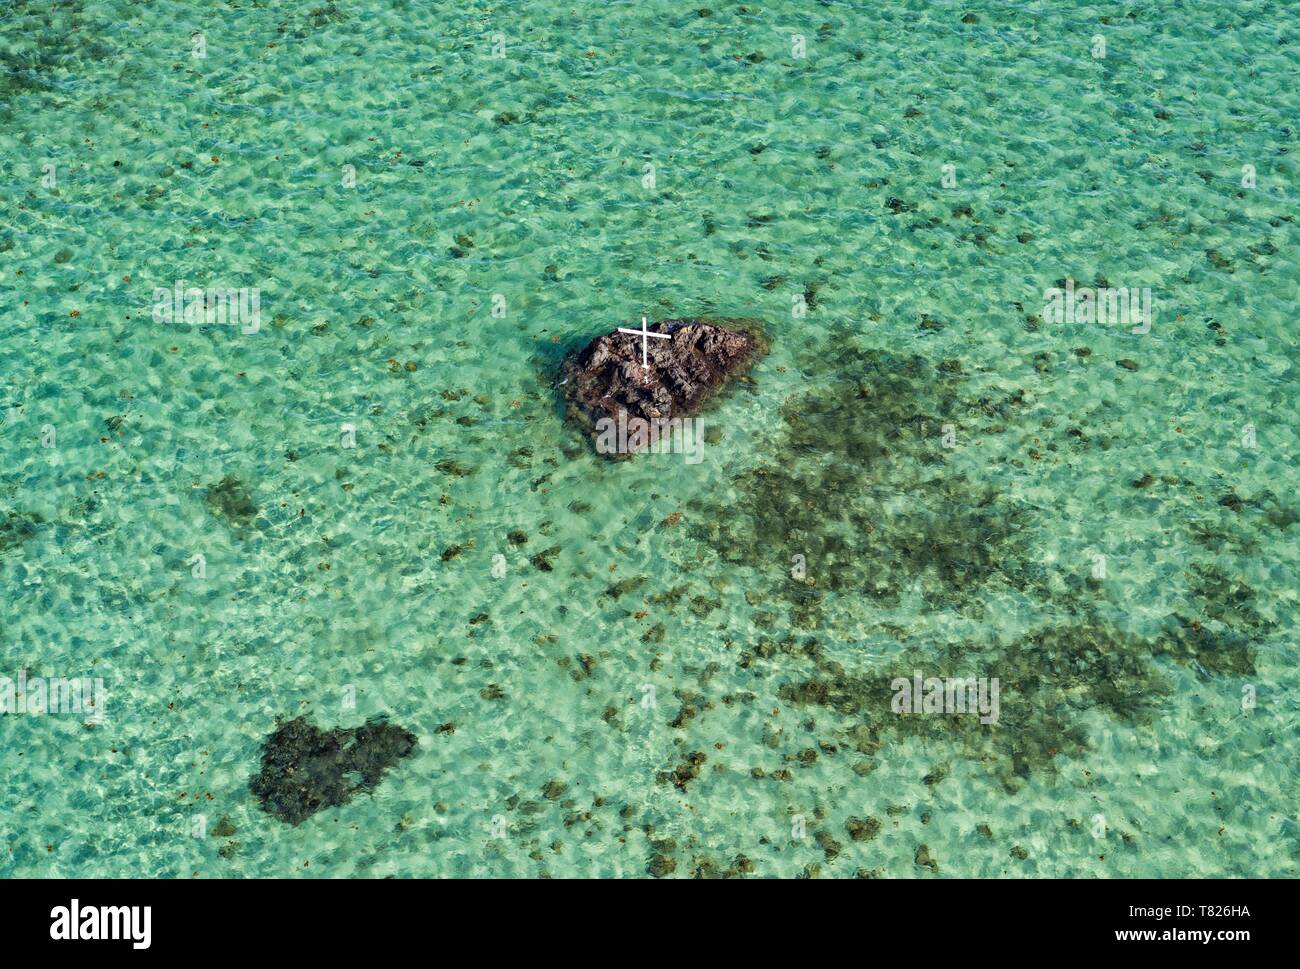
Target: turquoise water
pixel 666 696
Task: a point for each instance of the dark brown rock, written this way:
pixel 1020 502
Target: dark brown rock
pixel 607 377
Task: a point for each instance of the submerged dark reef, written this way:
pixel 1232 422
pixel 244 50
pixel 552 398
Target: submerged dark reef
pixel 847 449
pixel 305 770
pixel 859 483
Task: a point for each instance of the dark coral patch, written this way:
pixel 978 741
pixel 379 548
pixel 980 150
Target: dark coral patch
pixel 305 769
pixel 230 499
pixel 16 529
pixel 858 443
pixel 862 494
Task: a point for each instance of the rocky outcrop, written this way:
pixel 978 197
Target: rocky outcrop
pixel 606 381
pixel 305 769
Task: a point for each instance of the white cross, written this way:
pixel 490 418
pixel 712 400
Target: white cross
pixel 643 333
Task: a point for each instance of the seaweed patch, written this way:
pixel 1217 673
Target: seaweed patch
pixel 871 445
pixel 893 521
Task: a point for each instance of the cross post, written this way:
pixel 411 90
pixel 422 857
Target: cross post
pixel 645 334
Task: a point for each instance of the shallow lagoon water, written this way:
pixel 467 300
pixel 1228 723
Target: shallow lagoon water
pixel 366 581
